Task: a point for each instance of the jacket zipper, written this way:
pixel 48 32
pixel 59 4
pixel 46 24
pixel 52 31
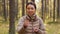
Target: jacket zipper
pixel 32 28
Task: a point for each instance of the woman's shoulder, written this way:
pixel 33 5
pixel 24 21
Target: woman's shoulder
pixel 22 18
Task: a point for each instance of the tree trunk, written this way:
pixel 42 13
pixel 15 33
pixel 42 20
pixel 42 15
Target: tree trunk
pixel 4 10
pixel 54 12
pixel 33 0
pixel 23 10
pixel 26 1
pixel 59 8
pixel 12 14
pixel 43 9
pixel 16 8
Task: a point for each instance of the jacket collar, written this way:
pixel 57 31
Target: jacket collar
pixel 32 18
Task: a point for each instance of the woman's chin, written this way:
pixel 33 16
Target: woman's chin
pixel 30 15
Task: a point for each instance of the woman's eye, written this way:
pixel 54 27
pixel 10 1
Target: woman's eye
pixel 28 8
pixel 32 8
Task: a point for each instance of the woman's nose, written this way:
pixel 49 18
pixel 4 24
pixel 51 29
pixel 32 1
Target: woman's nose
pixel 30 10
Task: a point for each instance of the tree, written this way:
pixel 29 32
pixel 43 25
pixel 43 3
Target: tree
pixel 16 8
pixel 4 9
pixel 12 14
pixel 54 11
pixel 43 9
pixel 26 1
pixel 23 10
pixel 58 7
pixel 33 0
pixel 58 10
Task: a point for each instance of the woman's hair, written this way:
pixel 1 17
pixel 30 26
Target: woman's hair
pixel 32 3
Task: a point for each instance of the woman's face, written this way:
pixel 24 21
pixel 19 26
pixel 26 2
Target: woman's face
pixel 30 10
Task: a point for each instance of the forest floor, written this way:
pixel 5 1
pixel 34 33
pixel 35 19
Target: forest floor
pixel 50 28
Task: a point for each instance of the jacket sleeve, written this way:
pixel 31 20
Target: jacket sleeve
pixel 20 25
pixel 41 27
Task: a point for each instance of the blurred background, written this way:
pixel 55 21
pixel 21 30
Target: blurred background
pixel 12 10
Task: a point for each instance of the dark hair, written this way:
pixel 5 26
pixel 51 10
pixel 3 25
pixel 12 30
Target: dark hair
pixel 32 3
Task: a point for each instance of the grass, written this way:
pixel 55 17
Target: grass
pixel 51 28
pixel 4 28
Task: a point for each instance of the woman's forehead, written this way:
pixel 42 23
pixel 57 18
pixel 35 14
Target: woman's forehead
pixel 30 5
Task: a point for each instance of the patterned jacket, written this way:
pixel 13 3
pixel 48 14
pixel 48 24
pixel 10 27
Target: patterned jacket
pixel 38 22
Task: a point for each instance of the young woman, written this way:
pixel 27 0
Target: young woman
pixel 31 23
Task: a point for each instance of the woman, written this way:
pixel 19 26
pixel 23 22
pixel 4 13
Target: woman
pixel 31 23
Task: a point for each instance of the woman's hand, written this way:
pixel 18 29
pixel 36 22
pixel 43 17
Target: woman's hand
pixel 26 23
pixel 36 29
